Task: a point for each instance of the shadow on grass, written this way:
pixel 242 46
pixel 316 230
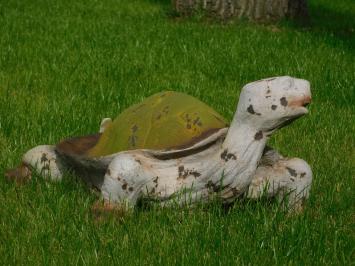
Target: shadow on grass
pixel 324 22
pixel 328 22
pixel 166 3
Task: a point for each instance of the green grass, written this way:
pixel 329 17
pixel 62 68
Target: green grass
pixel 64 65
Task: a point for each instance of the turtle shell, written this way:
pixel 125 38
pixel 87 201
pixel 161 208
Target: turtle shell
pixel 166 121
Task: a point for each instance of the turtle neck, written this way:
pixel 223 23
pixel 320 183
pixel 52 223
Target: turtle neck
pixel 239 154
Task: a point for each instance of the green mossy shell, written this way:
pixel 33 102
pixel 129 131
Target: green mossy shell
pixel 163 121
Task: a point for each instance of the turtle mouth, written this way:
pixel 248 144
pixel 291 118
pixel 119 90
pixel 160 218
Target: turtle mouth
pixel 300 104
pixel 306 101
pixel 298 109
pixel 289 121
pixel 305 104
pixel 303 101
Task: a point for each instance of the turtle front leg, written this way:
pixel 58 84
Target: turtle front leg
pixel 124 182
pixel 42 159
pixel 288 179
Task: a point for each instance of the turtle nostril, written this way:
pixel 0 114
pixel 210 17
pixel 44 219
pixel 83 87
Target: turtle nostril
pixel 306 101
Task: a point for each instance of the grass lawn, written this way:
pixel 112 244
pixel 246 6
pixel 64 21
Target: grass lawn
pixel 64 65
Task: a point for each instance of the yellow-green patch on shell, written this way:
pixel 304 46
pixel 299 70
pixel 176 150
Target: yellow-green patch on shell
pixel 163 121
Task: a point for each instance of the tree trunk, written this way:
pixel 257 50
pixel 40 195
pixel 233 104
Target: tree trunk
pixel 256 10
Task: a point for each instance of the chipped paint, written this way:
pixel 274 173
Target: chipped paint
pixel 251 110
pixel 258 135
pixel 211 186
pixel 184 173
pixel 44 158
pixel 132 139
pixel 226 156
pixel 292 171
pixel 283 101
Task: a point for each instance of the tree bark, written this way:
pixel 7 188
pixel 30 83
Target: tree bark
pixel 256 10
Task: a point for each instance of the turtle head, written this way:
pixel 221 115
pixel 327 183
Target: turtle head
pixel 272 103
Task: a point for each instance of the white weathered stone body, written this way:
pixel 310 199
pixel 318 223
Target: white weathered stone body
pixel 225 164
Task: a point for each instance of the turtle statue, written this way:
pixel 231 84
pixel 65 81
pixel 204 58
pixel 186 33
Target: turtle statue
pixel 172 148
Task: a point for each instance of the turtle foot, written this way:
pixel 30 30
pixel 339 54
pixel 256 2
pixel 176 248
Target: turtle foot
pixel 295 209
pixel 105 210
pixel 20 175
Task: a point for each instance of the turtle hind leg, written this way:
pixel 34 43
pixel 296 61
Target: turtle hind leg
pixel 289 180
pixel 45 161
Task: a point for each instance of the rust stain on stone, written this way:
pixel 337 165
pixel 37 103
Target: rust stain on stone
pixel 258 135
pixel 197 122
pixel 155 180
pixel 283 101
pixel 45 167
pixel 235 191
pixel 226 156
pixel 133 140
pixel 166 110
pixel 292 171
pixel 134 128
pixel 180 169
pixel 44 158
pixel 195 173
pixel 211 186
pixel 184 173
pixel 251 110
pixel 138 107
